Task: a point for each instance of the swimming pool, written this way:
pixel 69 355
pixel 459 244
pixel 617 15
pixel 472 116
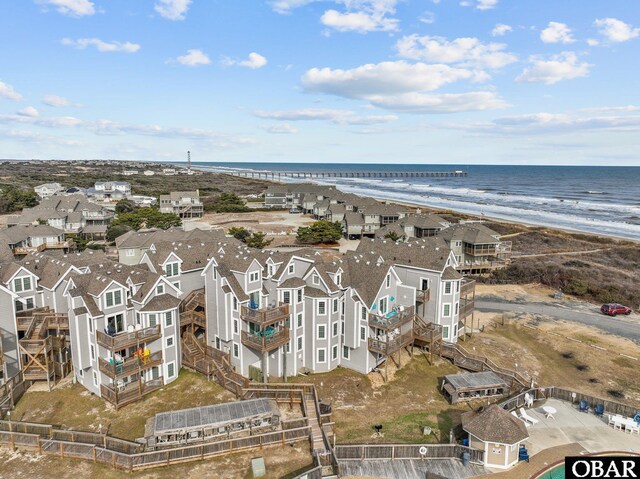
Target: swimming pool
pixel 556 473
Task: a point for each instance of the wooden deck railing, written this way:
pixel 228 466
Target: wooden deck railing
pixel 390 346
pixel 392 321
pixel 131 392
pixel 197 318
pixel 265 316
pixel 468 287
pixel 129 366
pixel 363 452
pixel 131 338
pixel 423 296
pixel 265 342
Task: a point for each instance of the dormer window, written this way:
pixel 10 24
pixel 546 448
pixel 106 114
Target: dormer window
pixel 254 276
pixel 292 268
pixel 339 279
pixel 22 284
pixel 316 279
pixel 171 269
pixel 160 289
pixel 388 280
pixel 113 298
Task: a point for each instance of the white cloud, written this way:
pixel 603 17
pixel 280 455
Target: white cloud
pixel 592 42
pixel 339 117
pixel 72 8
pixel 56 101
pixel 557 32
pixel 194 58
pixel 7 91
pixel 254 61
pixel 500 30
pixel 427 17
pixel 29 111
pixel 463 51
pixel 415 102
pixel 480 4
pixel 101 46
pixel 172 9
pixel 564 66
pixel 360 16
pixel 612 109
pixel 616 30
pixel 280 129
pixel 49 122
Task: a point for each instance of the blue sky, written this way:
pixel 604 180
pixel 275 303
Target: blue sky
pixel 377 81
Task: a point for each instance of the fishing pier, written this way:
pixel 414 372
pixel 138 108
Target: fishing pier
pixel 349 174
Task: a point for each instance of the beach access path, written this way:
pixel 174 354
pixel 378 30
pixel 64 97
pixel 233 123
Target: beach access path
pixel 574 311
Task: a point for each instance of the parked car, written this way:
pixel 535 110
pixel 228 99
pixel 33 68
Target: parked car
pixel 614 309
pixel 293 211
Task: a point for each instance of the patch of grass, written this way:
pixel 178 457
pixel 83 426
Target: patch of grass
pixel 72 406
pixel 625 362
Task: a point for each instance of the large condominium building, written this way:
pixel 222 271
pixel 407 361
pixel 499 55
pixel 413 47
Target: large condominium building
pixel 110 190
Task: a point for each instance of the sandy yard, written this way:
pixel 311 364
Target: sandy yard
pixel 270 222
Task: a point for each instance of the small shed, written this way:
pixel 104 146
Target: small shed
pixel 218 421
pixel 496 432
pixel 469 386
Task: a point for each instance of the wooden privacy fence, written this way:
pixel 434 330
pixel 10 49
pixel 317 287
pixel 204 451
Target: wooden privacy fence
pixel 144 460
pixel 361 452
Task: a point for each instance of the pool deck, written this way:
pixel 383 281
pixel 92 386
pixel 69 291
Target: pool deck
pixel 408 469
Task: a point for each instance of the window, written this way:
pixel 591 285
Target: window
pixel 95 379
pixel 152 319
pixel 363 334
pixel 20 306
pixel 292 268
pixel 176 284
pixel 22 284
pixel 171 269
pixel 170 341
pixel 446 310
pixel 286 297
pixel 115 324
pixel 137 320
pixel 335 305
pixel 214 273
pixel 322 331
pixel 93 352
pixel 235 303
pixel 445 332
pixel 345 352
pixel 322 355
pixel 322 307
pixel 299 295
pixel 457 308
pixel 457 286
pixel 254 276
pixel 235 326
pixel 316 279
pixel 113 298
pixel 171 370
pixel 160 289
pixel 363 313
pixel 218 345
pixel 342 327
pixel 300 320
pixel 388 280
pixel 236 350
pixel 335 329
pixel 300 343
pixel 339 280
pixel 334 353
pixel 168 319
pixel 447 287
pixel 455 330
pixel 130 252
pixel 270 270
pixel 90 325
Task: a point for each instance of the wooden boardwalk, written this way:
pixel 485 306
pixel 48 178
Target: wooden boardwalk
pixel 349 174
pixel 408 469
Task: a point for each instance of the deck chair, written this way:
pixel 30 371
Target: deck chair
pixel 523 454
pixel 599 410
pixel 583 406
pixel 526 417
pixel 514 414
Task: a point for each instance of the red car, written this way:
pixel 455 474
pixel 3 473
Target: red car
pixel 614 309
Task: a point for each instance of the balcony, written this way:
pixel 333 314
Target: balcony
pixel 122 395
pixel 481 250
pixel 265 342
pixel 392 320
pixel 423 296
pixel 427 332
pixel 265 316
pixel 197 318
pixel 467 288
pixel 388 344
pixel 466 309
pixel 128 339
pixel 129 366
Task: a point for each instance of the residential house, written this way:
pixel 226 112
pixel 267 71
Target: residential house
pixel 26 239
pixel 186 204
pixel 48 189
pixel 110 190
pixel 477 248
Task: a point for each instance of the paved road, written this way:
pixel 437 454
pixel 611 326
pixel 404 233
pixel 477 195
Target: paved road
pixel 625 326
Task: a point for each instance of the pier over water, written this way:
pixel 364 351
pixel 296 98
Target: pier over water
pixel 349 174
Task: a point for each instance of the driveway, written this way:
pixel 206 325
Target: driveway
pixel 577 312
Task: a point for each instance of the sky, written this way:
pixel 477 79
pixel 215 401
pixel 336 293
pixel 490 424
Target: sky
pixel 333 81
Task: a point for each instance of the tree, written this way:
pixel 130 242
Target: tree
pixel 141 217
pixel 114 231
pixel 125 206
pixel 239 233
pixel 320 232
pixel 258 240
pixel 226 203
pixel 15 199
pixel 393 236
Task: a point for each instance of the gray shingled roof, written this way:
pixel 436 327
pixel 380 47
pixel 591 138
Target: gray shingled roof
pixel 468 233
pixel 494 424
pixel 162 302
pixel 293 283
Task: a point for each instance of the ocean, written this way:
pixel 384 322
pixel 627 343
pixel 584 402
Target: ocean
pixel 600 200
